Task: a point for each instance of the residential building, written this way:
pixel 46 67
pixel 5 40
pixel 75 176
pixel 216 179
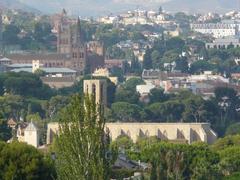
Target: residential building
pixel 224 43
pixel 217 30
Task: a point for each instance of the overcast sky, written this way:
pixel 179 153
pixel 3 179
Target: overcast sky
pixel 103 7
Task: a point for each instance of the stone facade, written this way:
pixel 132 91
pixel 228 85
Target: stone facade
pixel 184 132
pixel 97 88
pixel 71 41
pixel 31 135
pixel 72 51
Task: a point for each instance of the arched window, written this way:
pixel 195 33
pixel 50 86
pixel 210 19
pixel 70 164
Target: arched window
pixel 147 133
pixel 94 91
pixel 101 93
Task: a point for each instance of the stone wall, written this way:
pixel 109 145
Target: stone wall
pixel 190 132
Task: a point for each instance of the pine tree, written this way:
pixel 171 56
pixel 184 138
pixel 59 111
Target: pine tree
pixel 82 146
pixel 147 60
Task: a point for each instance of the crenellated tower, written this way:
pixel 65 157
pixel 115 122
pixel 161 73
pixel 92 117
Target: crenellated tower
pixel 64 42
pixel 79 49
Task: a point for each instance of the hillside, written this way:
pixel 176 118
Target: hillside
pixel 15 4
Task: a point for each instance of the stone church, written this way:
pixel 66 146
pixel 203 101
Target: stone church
pixel 173 132
pixel 71 42
pixel 72 50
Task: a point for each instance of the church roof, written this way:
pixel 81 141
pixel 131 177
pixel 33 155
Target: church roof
pixel 47 70
pixel 12 122
pixel 31 127
pixel 53 56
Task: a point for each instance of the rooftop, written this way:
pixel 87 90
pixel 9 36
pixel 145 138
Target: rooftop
pixel 31 127
pixel 47 70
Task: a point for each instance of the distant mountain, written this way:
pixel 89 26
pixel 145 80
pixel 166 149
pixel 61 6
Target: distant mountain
pixel 15 4
pixel 193 6
pixel 102 7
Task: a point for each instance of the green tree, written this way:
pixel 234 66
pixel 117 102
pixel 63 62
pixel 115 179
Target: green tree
pixel 194 110
pixel 126 112
pixel 5 131
pixel 115 53
pixel 169 111
pixel 156 59
pixel 182 65
pixel 21 161
pixel 132 83
pixel 230 160
pixel 10 35
pixel 157 95
pixel 176 44
pixel 55 104
pixel 233 129
pixel 200 66
pixel 123 143
pixel 147 59
pixel 125 95
pixel 81 146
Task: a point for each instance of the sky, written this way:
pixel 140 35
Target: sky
pixel 103 7
pixel 92 7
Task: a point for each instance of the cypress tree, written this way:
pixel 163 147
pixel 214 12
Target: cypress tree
pixel 147 60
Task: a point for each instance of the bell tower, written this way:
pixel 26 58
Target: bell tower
pixel 64 37
pixel 97 88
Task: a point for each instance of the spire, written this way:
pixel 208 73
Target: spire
pixel 64 12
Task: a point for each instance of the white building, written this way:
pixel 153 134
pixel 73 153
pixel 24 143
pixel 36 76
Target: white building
pixel 145 88
pixel 31 135
pixel 217 30
pixel 224 43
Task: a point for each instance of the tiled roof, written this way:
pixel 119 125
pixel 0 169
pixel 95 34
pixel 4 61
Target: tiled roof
pixel 31 127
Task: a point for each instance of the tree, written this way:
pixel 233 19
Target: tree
pixel 115 53
pixel 132 83
pixel 176 44
pixel 135 66
pixel 156 58
pixel 157 95
pixel 182 65
pixel 233 129
pixel 169 111
pixel 118 72
pixel 126 112
pixel 21 161
pixel 82 146
pixel 230 160
pixel 179 161
pixel 11 105
pixel 5 131
pixel 127 95
pixel 228 141
pixel 194 110
pixel 10 35
pixel 122 142
pixel 147 59
pixel 55 104
pixel 200 66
